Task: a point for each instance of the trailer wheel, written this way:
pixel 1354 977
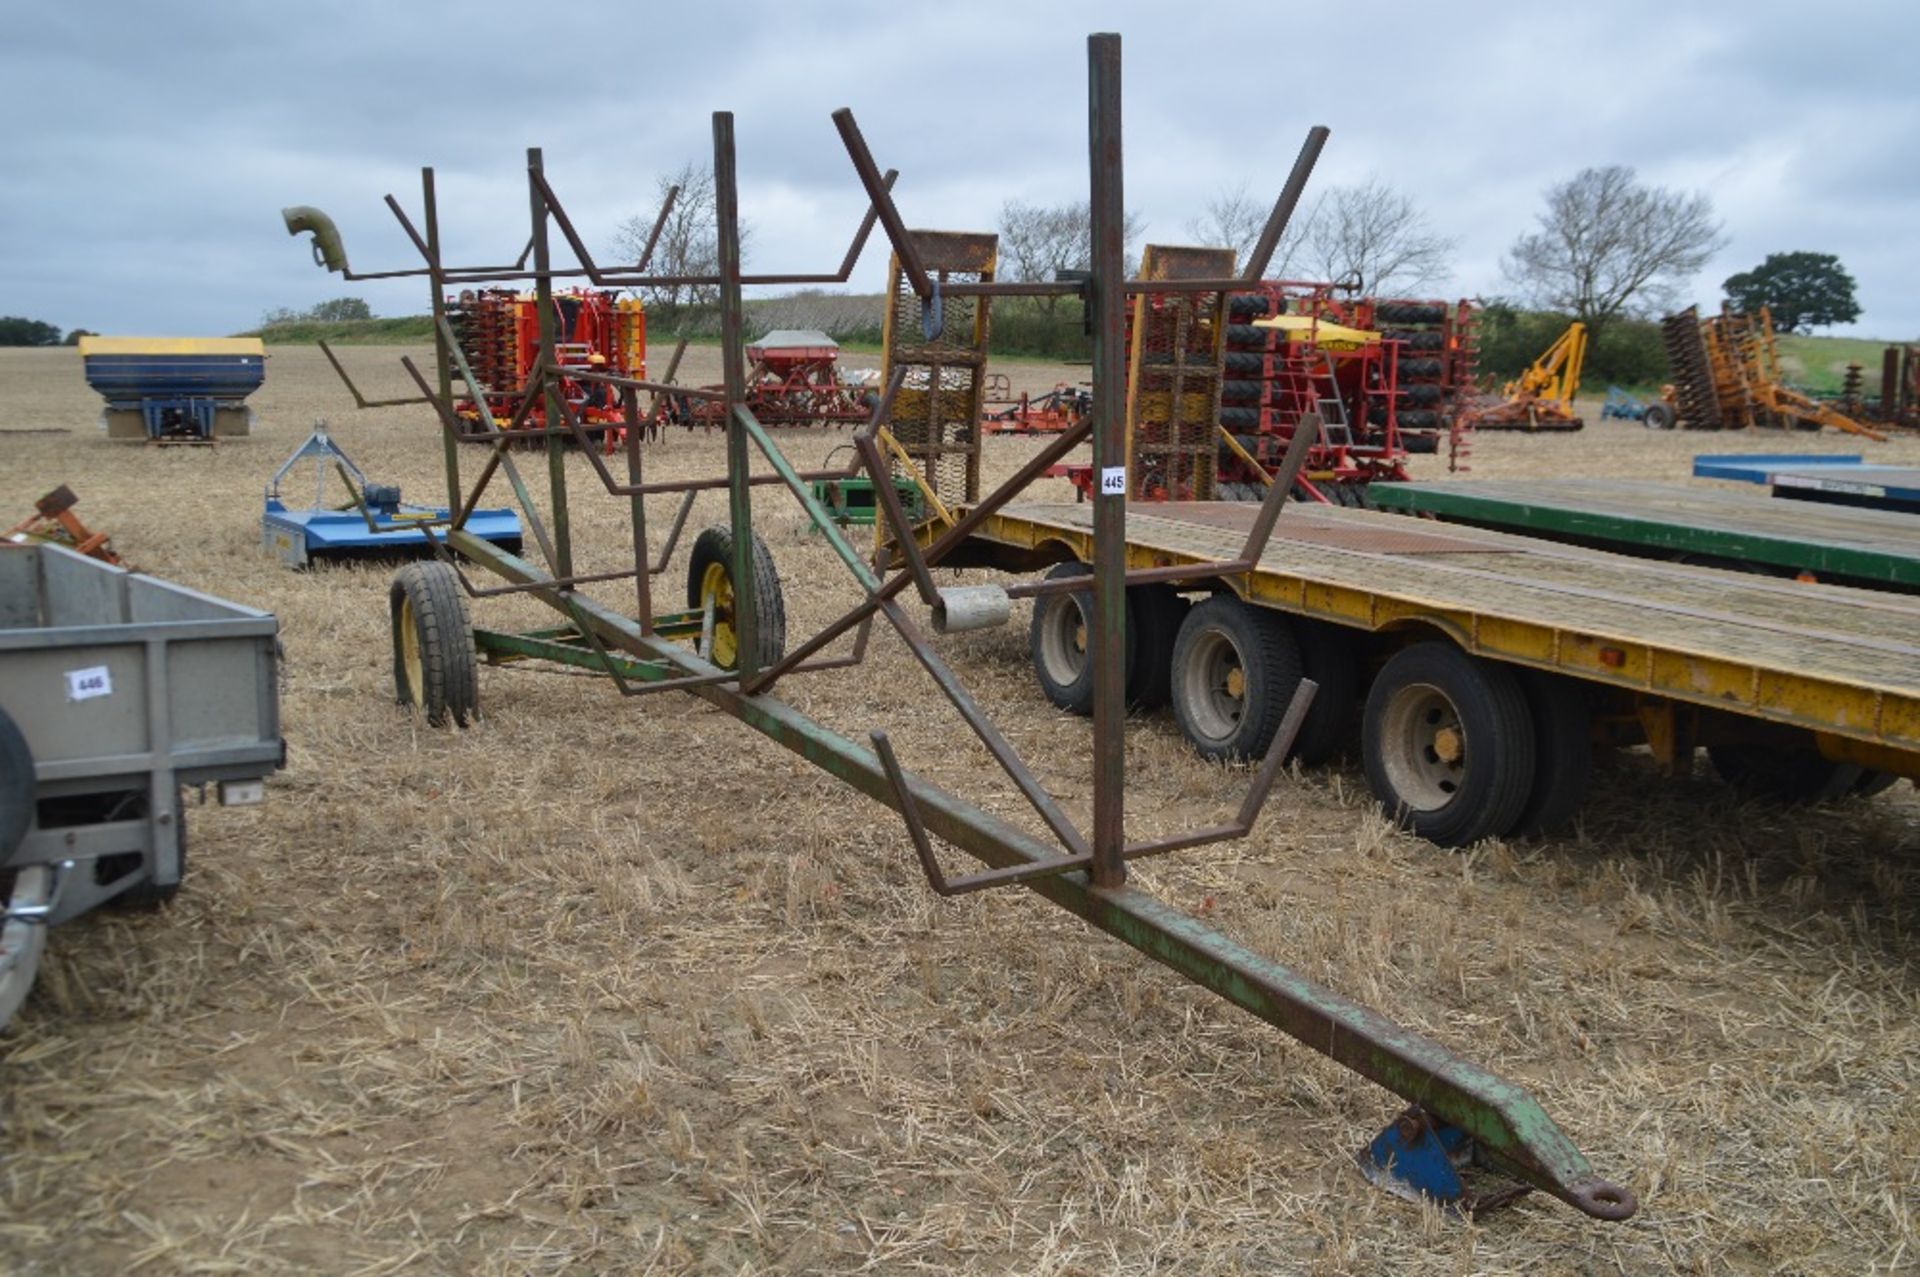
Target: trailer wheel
pixel 1784 773
pixel 710 575
pixel 1562 751
pixel 434 668
pixel 17 786
pixel 1059 637
pixel 1448 744
pixel 1874 782
pixel 1658 417
pixel 1154 615
pixel 1326 657
pixel 1234 669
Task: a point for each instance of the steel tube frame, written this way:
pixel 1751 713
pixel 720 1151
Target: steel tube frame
pixel 1510 1129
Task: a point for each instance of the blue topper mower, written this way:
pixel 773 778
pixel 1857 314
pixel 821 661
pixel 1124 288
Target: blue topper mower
pixel 373 520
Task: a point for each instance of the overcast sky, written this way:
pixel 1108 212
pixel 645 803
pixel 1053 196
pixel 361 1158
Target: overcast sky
pixel 150 147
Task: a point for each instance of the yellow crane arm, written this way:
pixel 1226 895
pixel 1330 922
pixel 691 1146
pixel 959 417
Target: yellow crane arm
pixel 1555 375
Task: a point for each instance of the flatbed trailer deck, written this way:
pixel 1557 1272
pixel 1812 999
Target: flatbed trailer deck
pixel 1844 544
pixel 1665 653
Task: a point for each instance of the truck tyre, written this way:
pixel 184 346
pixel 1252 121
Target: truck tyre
pixel 1874 782
pixel 1059 638
pixel 1326 657
pixel 1562 751
pixel 1154 614
pixel 1783 773
pixel 17 785
pixel 1448 744
pixel 1234 669
pixel 1658 417
pixel 710 575
pixel 434 668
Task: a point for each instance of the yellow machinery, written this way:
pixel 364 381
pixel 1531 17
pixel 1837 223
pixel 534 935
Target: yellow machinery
pixel 1541 398
pixel 1727 376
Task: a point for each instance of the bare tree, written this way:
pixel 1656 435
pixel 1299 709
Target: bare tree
pixel 1370 230
pixel 688 242
pixel 1376 233
pixel 1608 245
pixel 1037 242
pixel 1234 219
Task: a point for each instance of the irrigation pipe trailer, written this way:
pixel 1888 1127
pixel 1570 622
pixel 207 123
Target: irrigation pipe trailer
pixel 729 646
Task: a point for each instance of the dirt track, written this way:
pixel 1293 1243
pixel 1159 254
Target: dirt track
pixel 600 986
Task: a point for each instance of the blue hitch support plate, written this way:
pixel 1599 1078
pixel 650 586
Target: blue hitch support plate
pixel 1419 1158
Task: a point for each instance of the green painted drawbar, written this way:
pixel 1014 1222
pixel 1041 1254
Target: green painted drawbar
pixel 1878 549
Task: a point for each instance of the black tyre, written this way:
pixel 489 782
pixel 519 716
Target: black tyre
pixel 710 575
pixel 148 894
pixel 17 785
pixel 1243 362
pixel 1247 337
pixel 1420 442
pixel 1242 391
pixel 1327 657
pixel 1410 313
pixel 1421 367
pixel 1240 418
pixel 1562 751
pixel 1424 396
pixel 1417 338
pixel 1783 773
pixel 1234 669
pixel 1874 782
pixel 434 668
pixel 1659 417
pixel 1448 744
pixel 1154 614
pixel 1248 304
pixel 1060 636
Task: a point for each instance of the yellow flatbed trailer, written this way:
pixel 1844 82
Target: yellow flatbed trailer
pixel 1800 689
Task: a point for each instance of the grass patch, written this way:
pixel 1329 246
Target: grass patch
pixel 399 330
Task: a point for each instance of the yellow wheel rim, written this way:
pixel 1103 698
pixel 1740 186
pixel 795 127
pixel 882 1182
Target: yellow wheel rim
pixel 717 587
pixel 410 653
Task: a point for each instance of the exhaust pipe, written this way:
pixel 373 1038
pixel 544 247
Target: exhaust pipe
pixel 328 251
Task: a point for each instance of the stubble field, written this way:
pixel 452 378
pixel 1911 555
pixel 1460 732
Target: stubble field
pixel 598 986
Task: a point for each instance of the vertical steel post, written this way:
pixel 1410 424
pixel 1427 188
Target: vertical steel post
pixel 442 357
pixel 726 208
pixel 550 356
pixel 1109 462
pixel 637 510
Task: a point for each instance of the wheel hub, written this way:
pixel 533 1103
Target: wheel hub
pixel 1423 747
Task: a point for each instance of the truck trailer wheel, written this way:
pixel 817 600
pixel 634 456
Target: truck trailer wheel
pixel 1784 773
pixel 1234 669
pixel 434 668
pixel 1154 616
pixel 710 576
pixel 1447 741
pixel 1327 657
pixel 1060 636
pixel 17 785
pixel 1562 752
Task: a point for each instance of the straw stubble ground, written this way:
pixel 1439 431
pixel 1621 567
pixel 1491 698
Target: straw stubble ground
pixel 597 986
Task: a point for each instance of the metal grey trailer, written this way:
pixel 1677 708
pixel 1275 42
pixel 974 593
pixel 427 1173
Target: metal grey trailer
pixel 117 691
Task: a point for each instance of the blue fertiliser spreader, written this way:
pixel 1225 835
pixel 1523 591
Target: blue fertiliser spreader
pixel 373 521
pixel 175 389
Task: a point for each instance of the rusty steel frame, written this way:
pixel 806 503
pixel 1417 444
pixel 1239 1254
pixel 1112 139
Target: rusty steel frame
pixel 1084 873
